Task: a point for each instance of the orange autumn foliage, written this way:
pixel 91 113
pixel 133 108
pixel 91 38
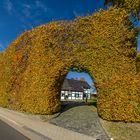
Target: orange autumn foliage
pixel 34 66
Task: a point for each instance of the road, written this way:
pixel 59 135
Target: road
pixel 9 133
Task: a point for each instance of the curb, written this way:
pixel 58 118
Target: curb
pixel 36 129
pixel 37 133
pixel 24 127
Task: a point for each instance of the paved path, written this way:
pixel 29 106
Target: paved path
pixel 8 133
pixel 83 119
pixel 36 129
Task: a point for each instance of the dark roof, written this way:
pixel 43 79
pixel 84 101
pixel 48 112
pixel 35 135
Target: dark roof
pixel 75 85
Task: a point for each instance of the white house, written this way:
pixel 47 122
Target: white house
pixel 75 90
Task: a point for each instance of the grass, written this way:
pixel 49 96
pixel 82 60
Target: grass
pixel 122 130
pixel 119 130
pixel 48 117
pixel 115 130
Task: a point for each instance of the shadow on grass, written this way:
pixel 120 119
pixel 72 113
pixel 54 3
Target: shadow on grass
pixel 66 105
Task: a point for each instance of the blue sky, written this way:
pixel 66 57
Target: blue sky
pixel 18 16
pixel 75 75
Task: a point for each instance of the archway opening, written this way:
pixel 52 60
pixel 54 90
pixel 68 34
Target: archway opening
pixel 78 88
pixel 78 100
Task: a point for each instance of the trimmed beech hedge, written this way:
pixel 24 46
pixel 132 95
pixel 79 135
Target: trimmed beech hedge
pixel 138 62
pixel 34 66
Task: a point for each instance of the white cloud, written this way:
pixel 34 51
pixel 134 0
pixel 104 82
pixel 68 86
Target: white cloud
pixel 40 5
pixel 27 12
pixel 31 13
pixel 75 13
pixel 26 9
pixel 8 6
pixel 1 47
pixel 27 6
pixel 37 7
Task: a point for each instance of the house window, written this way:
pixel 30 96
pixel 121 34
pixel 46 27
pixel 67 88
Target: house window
pixel 73 95
pixel 62 94
pixel 69 95
pixel 77 95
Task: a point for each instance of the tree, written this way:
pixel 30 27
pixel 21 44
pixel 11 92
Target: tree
pixel 114 2
pixel 82 79
pixel 138 29
pixel 138 62
pixel 131 6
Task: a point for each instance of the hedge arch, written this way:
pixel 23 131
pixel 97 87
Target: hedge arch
pixel 34 66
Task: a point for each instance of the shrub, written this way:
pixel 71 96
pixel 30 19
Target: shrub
pixel 34 66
